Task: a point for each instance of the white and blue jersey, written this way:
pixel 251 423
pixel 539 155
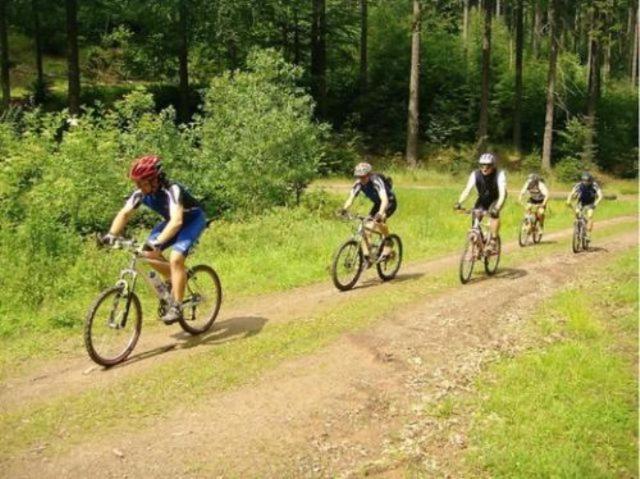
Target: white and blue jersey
pixel 585 193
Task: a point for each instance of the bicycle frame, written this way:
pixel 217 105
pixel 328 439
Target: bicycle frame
pixel 360 234
pixel 477 233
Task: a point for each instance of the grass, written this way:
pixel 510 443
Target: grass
pixel 141 400
pixel 570 409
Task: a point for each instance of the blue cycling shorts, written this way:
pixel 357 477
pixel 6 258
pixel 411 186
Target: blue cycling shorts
pixel 188 235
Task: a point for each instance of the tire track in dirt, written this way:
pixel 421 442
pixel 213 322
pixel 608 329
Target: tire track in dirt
pixel 329 413
pixel 75 374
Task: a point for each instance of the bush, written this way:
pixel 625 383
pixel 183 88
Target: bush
pixel 568 170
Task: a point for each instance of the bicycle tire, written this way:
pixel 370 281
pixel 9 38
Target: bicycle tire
pixel 536 236
pixel 464 274
pixel 491 269
pixel 523 235
pixel 384 275
pixel 576 240
pixel 345 286
pixel 133 305
pixel 187 324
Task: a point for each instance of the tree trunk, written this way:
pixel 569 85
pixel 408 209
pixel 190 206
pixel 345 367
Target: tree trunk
pixel 4 56
pixel 38 37
pixel 483 124
pixel 593 92
pixel 183 59
pixel 498 9
pixel 634 53
pixel 537 28
pixel 551 82
pixel 364 67
pixel 517 116
pixel 414 87
pixel 465 20
pixel 590 27
pixel 319 57
pixel 72 57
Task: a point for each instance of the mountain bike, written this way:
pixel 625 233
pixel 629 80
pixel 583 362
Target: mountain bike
pixel 114 321
pixel 580 240
pixel 349 260
pixel 475 248
pixel 530 230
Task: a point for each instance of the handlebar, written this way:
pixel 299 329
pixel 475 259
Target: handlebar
pixel 351 217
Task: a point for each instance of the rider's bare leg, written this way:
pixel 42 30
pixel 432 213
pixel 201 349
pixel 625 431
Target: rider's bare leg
pixel 159 263
pixel 494 226
pixel 541 216
pixel 589 214
pixel 178 276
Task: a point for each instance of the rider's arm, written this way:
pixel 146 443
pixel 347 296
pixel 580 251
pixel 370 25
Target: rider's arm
pixel 352 196
pixel 124 215
pixel 523 191
pixel 176 213
pixel 502 189
pixel 599 195
pixel 382 192
pixel 470 184
pixel 572 194
pixel 545 192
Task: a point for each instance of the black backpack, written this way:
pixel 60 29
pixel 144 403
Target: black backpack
pixel 388 181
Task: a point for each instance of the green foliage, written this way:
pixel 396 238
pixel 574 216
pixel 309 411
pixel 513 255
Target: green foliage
pixel 568 170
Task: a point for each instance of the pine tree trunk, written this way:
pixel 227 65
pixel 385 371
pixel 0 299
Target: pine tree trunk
pixel 537 28
pixel 517 116
pixel 183 59
pixel 593 92
pixel 465 20
pixel 319 57
pixel 635 47
pixel 483 124
pixel 38 37
pixel 414 86
pixel 551 82
pixel 72 57
pixel 364 67
pixel 4 56
pixel 498 9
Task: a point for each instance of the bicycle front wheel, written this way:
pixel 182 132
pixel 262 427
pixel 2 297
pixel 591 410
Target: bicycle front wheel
pixel 202 300
pixel 492 260
pixel 112 326
pixel 576 243
pixel 537 233
pixel 467 260
pixel 347 265
pixel 388 268
pixel 523 236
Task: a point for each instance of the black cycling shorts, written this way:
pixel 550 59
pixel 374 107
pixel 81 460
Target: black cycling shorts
pixel 391 208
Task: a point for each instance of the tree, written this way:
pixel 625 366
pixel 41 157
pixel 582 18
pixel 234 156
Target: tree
pixel 551 82
pixel 537 27
pixel 517 115
pixel 593 89
pixel 414 86
pixel 183 59
pixel 37 33
pixel 363 47
pixel 72 57
pixel 634 47
pixel 483 124
pixel 319 56
pixel 465 20
pixel 4 56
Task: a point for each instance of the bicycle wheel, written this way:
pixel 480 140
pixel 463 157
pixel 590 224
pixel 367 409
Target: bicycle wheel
pixel 523 235
pixel 388 268
pixel 467 260
pixel 203 297
pixel 585 240
pixel 492 260
pixel 536 235
pixel 347 265
pixel 112 326
pixel 576 243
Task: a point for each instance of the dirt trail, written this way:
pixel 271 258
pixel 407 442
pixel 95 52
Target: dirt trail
pixel 339 410
pixel 71 375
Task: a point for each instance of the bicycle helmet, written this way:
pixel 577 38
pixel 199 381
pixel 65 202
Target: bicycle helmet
pixel 586 177
pixel 534 177
pixel 487 159
pixel 145 168
pixel 362 169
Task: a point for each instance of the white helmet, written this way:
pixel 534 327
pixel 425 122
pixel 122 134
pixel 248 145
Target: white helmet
pixel 487 159
pixel 362 169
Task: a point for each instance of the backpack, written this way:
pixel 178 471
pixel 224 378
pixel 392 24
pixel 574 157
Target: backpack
pixel 388 181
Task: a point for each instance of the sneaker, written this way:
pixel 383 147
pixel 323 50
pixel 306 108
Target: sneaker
pixel 174 314
pixel 367 263
pixel 491 247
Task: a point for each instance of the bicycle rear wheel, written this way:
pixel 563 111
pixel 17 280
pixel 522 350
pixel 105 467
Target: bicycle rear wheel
pixel 492 260
pixel 112 326
pixel 203 297
pixel 523 235
pixel 576 243
pixel 536 234
pixel 347 265
pixel 388 268
pixel 467 260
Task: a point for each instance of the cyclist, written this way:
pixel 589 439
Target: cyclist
pixel 491 185
pixel 378 189
pixel 588 194
pixel 184 222
pixel 538 197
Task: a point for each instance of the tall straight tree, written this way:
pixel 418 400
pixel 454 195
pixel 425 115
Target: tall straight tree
pixel 551 84
pixel 465 20
pixel 35 11
pixel 4 56
pixel 73 64
pixel 635 46
pixel 364 67
pixel 183 59
pixel 517 109
pixel 414 87
pixel 319 56
pixel 537 27
pixel 483 123
pixel 593 89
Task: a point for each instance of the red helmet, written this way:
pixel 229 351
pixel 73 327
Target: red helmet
pixel 145 167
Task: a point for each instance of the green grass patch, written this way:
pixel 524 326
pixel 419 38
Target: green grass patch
pixel 570 409
pixel 141 400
